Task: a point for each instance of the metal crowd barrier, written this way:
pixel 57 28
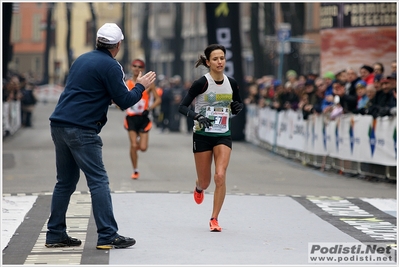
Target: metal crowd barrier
pixel 11 117
pixel 264 130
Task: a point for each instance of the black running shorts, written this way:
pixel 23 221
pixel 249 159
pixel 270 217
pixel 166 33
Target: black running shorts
pixel 138 123
pixel 203 143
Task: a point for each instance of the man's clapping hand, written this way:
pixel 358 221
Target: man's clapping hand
pixel 147 79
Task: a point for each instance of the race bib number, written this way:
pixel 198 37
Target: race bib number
pixel 220 115
pixel 138 108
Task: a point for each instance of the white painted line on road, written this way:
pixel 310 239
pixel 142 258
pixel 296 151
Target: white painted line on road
pixel 14 209
pixel 386 205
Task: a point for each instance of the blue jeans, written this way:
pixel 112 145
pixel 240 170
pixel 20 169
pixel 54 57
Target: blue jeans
pixel 80 149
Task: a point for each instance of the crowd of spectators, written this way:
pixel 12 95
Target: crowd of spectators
pixel 367 90
pixel 19 87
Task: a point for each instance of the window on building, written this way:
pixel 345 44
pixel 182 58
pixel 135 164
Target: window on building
pixel 15 8
pixel 16 28
pixel 36 31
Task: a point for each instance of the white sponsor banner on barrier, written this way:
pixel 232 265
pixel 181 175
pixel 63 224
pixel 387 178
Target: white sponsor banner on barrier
pixel 314 137
pixel 252 122
pixel 267 125
pixel 358 138
pixel 378 140
pixel 330 128
pixel 11 117
pixel 342 140
pixel 284 129
pixel 297 136
pixel 363 148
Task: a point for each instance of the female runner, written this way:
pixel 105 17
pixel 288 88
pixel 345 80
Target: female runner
pixel 217 99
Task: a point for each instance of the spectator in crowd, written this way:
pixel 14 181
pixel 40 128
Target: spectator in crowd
pixel 345 102
pixel 253 94
pixel 278 90
pixel 287 99
pixel 320 94
pixel 328 77
pixel 292 77
pixel 384 95
pixel 312 97
pixel 301 82
pixel 361 93
pixel 271 88
pixel 312 76
pixel 12 89
pixel 392 80
pixel 265 95
pixel 156 113
pixel 248 79
pixel 176 94
pixel 393 66
pixel 341 75
pixel 8 93
pixel 393 103
pixel 352 79
pixel 367 74
pixel 370 108
pixel 299 89
pixel 165 104
pixel 377 81
pixel 28 102
pixel 378 69
pixel 390 109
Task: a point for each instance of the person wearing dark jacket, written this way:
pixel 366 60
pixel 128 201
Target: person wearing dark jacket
pixel 347 102
pixel 385 99
pixel 353 79
pixel 315 97
pixel 95 81
pixel 370 108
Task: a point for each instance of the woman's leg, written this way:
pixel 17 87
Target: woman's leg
pixel 203 161
pixel 133 148
pixel 143 141
pixel 222 158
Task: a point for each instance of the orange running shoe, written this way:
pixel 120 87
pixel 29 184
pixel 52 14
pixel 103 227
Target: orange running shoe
pixel 198 197
pixel 214 225
pixel 135 175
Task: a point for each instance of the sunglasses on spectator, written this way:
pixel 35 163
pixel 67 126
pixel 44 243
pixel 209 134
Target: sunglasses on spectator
pixel 137 66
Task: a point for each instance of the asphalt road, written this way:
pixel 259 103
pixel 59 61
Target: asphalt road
pixel 168 165
pixel 274 208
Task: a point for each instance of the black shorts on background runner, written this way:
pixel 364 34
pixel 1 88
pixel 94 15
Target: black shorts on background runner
pixel 140 124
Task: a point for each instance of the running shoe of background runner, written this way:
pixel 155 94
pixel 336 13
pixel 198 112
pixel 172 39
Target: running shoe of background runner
pixel 135 175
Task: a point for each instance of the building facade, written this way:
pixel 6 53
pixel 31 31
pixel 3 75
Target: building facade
pixel 28 36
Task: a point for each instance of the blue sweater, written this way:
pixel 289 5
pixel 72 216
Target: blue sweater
pixel 95 78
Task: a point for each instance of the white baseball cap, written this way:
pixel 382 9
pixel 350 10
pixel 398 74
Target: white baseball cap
pixel 109 33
